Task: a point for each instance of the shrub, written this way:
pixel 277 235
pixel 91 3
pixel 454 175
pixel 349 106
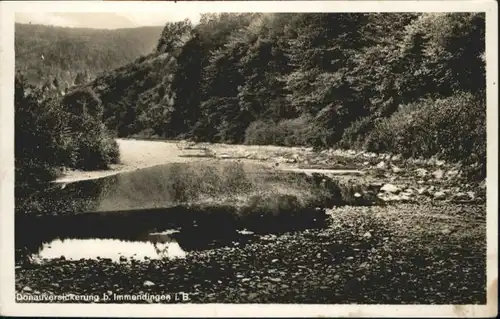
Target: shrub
pixel 95 149
pixel 43 141
pixel 289 132
pixel 355 135
pixel 49 136
pixel 452 128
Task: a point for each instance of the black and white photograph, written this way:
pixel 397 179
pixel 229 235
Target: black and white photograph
pixel 330 153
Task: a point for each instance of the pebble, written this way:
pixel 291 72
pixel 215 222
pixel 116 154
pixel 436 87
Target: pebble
pixel 390 188
pixel 439 195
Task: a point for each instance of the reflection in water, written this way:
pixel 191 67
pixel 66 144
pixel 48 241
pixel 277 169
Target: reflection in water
pixel 119 213
pixel 75 249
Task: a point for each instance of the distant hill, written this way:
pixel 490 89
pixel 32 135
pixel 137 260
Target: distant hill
pixel 45 52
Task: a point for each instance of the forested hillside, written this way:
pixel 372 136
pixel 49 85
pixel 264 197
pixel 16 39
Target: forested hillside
pixel 44 53
pixel 403 82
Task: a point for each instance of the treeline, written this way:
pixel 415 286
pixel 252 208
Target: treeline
pixel 52 133
pixel 77 55
pixel 403 82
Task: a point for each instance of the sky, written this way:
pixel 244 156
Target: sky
pixel 103 20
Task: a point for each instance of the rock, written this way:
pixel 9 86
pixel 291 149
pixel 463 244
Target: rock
pixel 366 163
pixel 55 285
pixel 390 188
pixel 446 231
pixel 422 191
pixel 27 289
pixel 245 279
pixel 351 152
pixel 274 260
pixel 452 173
pixel 225 156
pixel 336 277
pixel 357 195
pixel 123 258
pixel 460 196
pixel 396 169
pixel 471 195
pixel 439 163
pixel 148 283
pixel 396 158
pixel 439 195
pixel 409 191
pixel 62 257
pixel 404 198
pixel 381 165
pixel 438 174
pixel 367 235
pixel 350 258
pixel 275 279
pixel 422 172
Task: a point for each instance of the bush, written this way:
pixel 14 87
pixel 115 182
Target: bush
pixel 452 128
pixel 355 135
pixel 43 141
pixel 95 149
pixel 290 132
pixel 49 136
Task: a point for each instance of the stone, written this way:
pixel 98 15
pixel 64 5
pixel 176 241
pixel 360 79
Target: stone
pixel 452 173
pixel 471 195
pixel 390 188
pixel 27 289
pixel 439 195
pixel 422 172
pixel 148 283
pixel 460 196
pixel 367 235
pixel 381 165
pixel 439 163
pixel 409 191
pixel 422 191
pixel 396 169
pixel 438 174
pixel 404 198
pixel 357 195
pixel 396 158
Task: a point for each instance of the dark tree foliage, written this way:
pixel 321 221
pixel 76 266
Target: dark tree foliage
pixel 321 79
pixel 52 133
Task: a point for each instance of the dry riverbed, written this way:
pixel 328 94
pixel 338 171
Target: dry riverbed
pixel 425 243
pixel 398 254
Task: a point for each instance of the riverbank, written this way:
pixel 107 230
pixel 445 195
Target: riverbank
pixel 399 254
